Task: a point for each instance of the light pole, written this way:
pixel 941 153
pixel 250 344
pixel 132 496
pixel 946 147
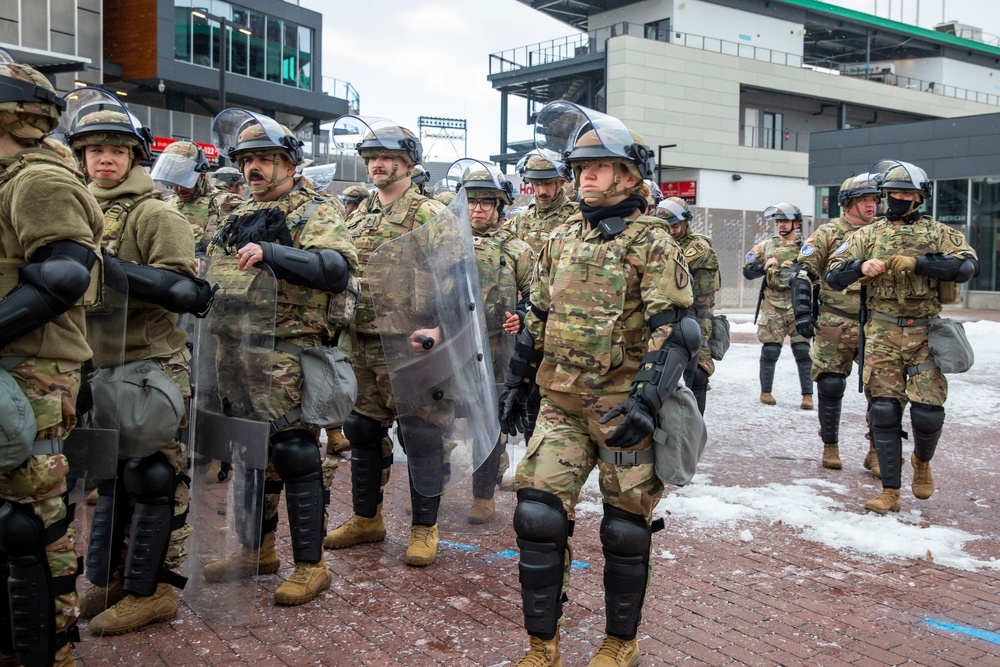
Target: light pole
pixel 223 53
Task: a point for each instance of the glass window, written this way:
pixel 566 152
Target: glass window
pixel 826 202
pixel 772 130
pixel 201 34
pixel 658 30
pixel 182 32
pixel 240 43
pixel 952 203
pixel 984 232
pixel 305 58
pixel 290 56
pixel 257 55
pixel 273 42
pixel 222 8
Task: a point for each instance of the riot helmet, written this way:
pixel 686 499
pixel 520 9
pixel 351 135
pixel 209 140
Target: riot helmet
pixel 674 210
pixel 784 212
pixel 353 195
pixel 95 117
pixel 228 177
pixel 542 165
pixel 238 132
pixel 372 137
pixel 897 176
pixel 182 164
pixel 29 105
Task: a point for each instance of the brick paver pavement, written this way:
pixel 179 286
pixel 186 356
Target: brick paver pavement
pixel 715 598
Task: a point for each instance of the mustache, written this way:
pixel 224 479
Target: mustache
pixel 256 174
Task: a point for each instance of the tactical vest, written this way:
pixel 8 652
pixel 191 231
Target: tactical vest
pixel 918 238
pixel 495 265
pixel 117 215
pixel 9 277
pixel 587 288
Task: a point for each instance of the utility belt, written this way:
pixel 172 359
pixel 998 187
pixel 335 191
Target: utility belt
pixel 627 458
pixel 902 321
pixel 838 312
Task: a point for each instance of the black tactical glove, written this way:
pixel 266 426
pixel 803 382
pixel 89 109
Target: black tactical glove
pixel 805 326
pixel 634 428
pixel 514 408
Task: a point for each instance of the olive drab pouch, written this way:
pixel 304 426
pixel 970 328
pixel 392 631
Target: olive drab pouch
pixel 679 437
pixel 141 402
pixel 949 345
pixel 329 387
pixel 948 291
pixel 718 342
pixel 340 308
pixel 17 419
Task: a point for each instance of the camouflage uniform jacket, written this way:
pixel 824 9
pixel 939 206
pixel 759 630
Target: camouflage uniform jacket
pixel 305 317
pixel 43 199
pixel 776 289
pixel 907 294
pixel 371 225
pixel 599 296
pixel 533 226
pixel 140 227
pixel 815 256
pixel 705 281
pixel 205 212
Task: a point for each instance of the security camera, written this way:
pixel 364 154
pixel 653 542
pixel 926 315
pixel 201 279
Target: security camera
pixel 162 87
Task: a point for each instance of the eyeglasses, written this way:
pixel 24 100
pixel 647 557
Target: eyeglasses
pixel 485 204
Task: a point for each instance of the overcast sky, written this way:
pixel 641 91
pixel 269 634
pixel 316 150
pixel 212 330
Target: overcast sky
pixel 431 58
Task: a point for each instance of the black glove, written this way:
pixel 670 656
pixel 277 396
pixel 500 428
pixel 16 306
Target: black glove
pixel 805 326
pixel 514 408
pixel 260 226
pixel 634 428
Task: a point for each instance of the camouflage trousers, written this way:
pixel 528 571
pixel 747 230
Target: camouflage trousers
pixel 563 451
pixel 835 346
pixel 775 323
pixel 255 393
pixel 40 482
pixel 889 351
pixel 704 353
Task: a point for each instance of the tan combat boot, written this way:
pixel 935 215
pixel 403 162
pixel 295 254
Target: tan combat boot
pixel 91 499
pixel 616 652
pixel 871 463
pixel 542 653
pixel 244 563
pixel 767 399
pixel 336 442
pixel 923 482
pixel 305 583
pixel 356 530
pixel 887 501
pixel 96 599
pixel 807 402
pixel 423 547
pixel 134 612
pixel 831 457
pixel 481 511
pixel 63 657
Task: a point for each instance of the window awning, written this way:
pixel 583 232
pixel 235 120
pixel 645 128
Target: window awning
pixel 47 62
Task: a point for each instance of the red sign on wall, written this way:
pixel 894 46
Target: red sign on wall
pixel 686 190
pixel 211 152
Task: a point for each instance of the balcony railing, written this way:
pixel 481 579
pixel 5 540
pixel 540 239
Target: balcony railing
pixel 342 90
pixel 594 41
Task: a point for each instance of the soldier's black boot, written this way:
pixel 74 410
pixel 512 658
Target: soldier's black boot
pixel 926 422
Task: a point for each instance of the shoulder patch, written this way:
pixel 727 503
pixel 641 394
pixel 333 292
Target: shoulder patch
pixel 807 250
pixel 842 248
pixel 691 252
pixel 956 238
pixel 751 257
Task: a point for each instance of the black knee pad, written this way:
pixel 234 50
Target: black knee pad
pixel 542 529
pixel 800 351
pixel 21 532
pixel 770 351
pixel 700 379
pixel 624 533
pixel 926 418
pixel 361 430
pixel 540 517
pixel 886 413
pixel 626 539
pixel 150 480
pixel 831 386
pixel 296 455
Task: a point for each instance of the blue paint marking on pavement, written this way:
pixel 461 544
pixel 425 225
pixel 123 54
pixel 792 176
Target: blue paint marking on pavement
pixel 992 637
pixel 459 545
pixel 511 553
pixel 579 564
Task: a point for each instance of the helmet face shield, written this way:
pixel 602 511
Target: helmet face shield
pixel 677 212
pixel 366 134
pixel 321 175
pixel 781 212
pixel 478 176
pixel 898 175
pixel 175 170
pixel 83 102
pixel 542 165
pixel 229 127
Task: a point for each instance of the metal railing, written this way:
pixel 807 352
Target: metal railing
pixel 594 41
pixel 342 90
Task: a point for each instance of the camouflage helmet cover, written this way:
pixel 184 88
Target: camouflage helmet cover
pixel 25 90
pixel 354 194
pixel 482 178
pixel 674 210
pixel 783 211
pixel 372 135
pixel 856 186
pixel 228 176
pixel 107 127
pixel 896 175
pixel 254 138
pixel 419 175
pixel 237 131
pixel 539 165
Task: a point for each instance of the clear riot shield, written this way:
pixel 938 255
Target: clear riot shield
pixel 92 448
pixel 321 175
pixel 230 422
pixel 429 311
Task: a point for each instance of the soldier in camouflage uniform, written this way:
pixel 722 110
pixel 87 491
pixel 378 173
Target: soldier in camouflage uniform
pixel 773 261
pixel 444 191
pixel 835 332
pixel 351 198
pixel 302 238
pixel 496 247
pixel 547 174
pixel 705 282
pixel 146 507
pixel 50 228
pixel 183 167
pixel 229 179
pixel 394 210
pixel 910 265
pixel 608 333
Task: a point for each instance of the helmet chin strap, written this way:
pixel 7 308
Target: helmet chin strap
pixel 272 183
pixel 394 176
pixel 602 197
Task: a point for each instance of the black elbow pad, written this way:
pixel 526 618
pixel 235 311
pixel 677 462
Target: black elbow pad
pixel 324 269
pixel 844 275
pixel 947 267
pixel 753 271
pixel 801 293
